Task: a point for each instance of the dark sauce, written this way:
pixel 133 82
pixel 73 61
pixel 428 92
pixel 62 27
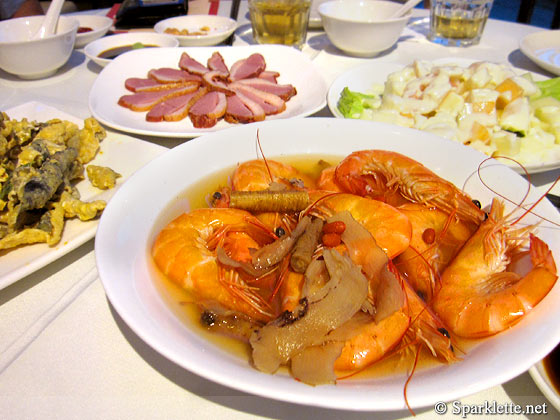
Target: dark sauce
pixel 116 51
pixel 551 365
pixel 83 29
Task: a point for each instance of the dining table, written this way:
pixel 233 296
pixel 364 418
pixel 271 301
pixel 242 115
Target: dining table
pixel 66 353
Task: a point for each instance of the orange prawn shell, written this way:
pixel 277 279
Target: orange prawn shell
pixel 423 263
pixel 180 252
pixel 327 181
pixel 396 178
pixel 254 175
pixel 477 299
pixel 372 342
pixel 390 228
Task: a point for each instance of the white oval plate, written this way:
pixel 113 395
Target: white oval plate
pixel 363 78
pixel 294 67
pixel 219 28
pixel 543 48
pixel 124 239
pixel 114 150
pixel 99 25
pixel 541 378
pixel 93 49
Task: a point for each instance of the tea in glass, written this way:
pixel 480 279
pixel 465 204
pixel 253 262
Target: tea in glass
pixel 280 21
pixel 458 22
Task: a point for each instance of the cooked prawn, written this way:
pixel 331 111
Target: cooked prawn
pixel 481 293
pixel 185 251
pixel 395 179
pixel 372 341
pixel 258 174
pixel 425 328
pixel 436 238
pixel 389 227
pixel 327 181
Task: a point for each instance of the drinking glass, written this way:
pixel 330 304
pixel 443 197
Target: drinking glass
pixel 280 21
pixel 458 23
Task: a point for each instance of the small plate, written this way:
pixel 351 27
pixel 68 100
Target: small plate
pixel 93 49
pixel 204 30
pixel 543 48
pixel 99 25
pixel 541 378
pixel 115 151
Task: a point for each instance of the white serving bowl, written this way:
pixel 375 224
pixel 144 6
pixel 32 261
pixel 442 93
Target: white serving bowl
pixel 34 59
pixel 99 25
pixel 219 28
pixel 93 49
pixel 362 27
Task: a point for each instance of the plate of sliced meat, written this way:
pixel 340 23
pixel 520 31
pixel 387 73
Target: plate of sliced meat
pixel 185 92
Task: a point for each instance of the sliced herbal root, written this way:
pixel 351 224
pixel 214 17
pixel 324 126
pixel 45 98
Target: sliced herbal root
pixel 276 201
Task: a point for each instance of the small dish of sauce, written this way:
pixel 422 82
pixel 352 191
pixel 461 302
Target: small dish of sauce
pixel 116 51
pixel 546 375
pixel 551 365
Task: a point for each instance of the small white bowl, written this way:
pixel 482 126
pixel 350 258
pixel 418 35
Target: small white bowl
pixel 218 29
pixel 540 375
pixel 93 49
pixel 38 58
pixel 99 26
pixel 362 27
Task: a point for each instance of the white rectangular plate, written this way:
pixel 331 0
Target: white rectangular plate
pixel 115 152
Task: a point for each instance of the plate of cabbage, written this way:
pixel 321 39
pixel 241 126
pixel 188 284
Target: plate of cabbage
pixel 494 108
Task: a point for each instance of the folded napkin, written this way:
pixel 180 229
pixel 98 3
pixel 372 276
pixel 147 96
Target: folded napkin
pixel 27 313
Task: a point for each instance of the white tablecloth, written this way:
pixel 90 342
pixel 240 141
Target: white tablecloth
pixel 65 353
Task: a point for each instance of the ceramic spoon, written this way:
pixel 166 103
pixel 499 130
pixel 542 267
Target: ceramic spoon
pixel 51 18
pixel 404 8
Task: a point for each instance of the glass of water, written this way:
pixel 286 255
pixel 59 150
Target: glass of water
pixel 458 23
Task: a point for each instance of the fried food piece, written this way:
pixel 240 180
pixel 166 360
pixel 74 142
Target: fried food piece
pixel 85 211
pixel 102 177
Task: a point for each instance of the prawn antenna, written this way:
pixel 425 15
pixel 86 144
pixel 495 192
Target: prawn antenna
pixel 520 204
pixel 264 157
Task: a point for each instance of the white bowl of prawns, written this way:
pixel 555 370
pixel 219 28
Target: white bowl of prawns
pixel 124 246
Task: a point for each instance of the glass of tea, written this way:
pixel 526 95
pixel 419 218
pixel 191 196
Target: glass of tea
pixel 280 21
pixel 458 23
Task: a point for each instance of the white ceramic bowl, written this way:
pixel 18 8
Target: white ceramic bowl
pixel 123 254
pixel 93 49
pixel 34 59
pixel 99 25
pixel 362 27
pixel 218 29
pixel 541 377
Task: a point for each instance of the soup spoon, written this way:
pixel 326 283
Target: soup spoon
pixel 48 26
pixel 404 8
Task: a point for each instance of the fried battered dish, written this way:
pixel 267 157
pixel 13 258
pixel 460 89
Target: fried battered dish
pixel 39 164
pixel 102 177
